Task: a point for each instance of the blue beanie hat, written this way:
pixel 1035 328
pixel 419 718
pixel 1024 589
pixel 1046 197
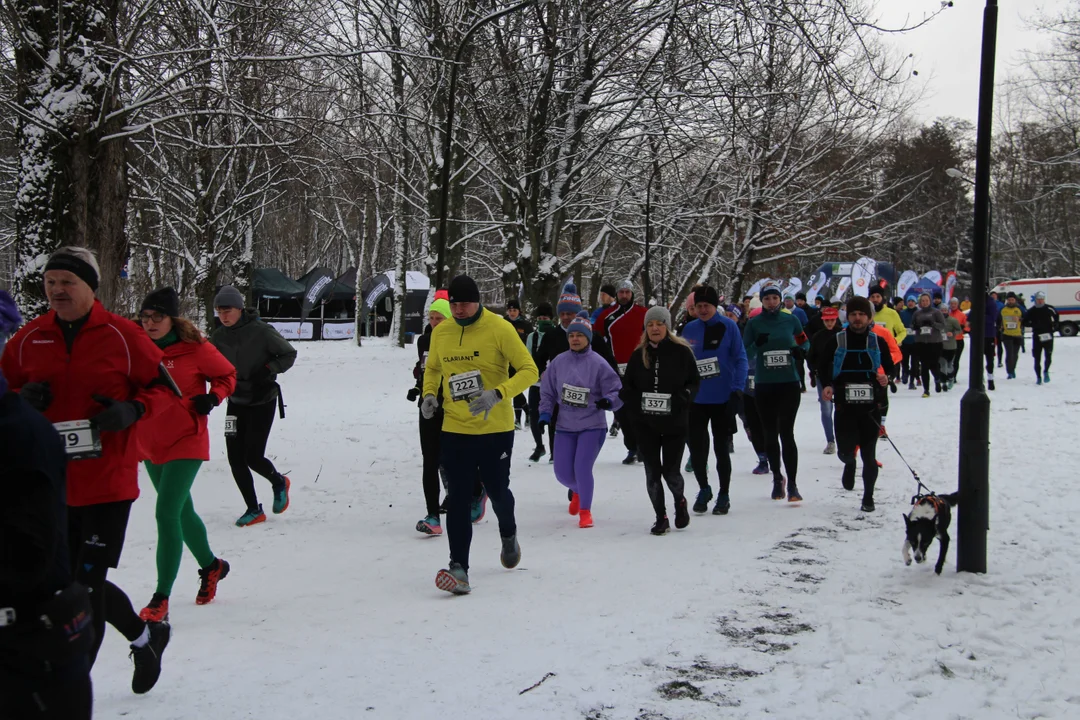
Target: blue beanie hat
pixel 569 301
pixel 770 290
pixel 580 324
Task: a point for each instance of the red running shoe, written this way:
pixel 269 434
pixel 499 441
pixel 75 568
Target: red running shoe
pixel 208 580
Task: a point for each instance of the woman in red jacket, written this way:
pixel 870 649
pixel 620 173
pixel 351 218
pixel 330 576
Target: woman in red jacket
pixel 175 444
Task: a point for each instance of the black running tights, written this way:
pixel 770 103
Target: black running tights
pixel 247 449
pixel 778 404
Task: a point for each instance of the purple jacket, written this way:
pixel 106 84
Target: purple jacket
pixel 583 370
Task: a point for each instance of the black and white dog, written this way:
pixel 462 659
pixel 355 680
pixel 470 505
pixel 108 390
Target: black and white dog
pixel 930 518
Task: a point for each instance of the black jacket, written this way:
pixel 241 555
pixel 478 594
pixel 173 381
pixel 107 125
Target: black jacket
pixel 556 342
pixel 856 366
pixel 818 341
pixel 259 354
pixel 523 327
pixel 1042 319
pixel 676 374
pixel 34 560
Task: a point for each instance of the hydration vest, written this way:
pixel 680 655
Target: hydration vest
pixel 842 351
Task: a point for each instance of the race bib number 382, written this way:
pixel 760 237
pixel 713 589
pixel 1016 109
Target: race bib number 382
pixel 81 439
pixel 575 396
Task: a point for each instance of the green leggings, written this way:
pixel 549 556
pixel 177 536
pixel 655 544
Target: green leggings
pixel 177 523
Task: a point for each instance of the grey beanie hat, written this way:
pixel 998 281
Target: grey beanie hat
pixel 229 296
pixel 625 285
pixel 661 313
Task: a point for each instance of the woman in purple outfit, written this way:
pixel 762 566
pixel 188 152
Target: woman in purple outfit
pixel 583 386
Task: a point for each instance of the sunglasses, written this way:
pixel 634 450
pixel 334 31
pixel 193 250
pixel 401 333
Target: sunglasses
pixel 155 316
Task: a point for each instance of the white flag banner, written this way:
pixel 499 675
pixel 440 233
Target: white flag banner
pixel 841 289
pixel 907 279
pixel 818 281
pixel 950 286
pixel 862 275
pixel 794 287
pixel 933 276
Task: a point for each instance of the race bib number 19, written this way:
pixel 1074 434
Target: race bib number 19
pixel 81 439
pixel 1011 324
pixel 466 385
pixel 575 396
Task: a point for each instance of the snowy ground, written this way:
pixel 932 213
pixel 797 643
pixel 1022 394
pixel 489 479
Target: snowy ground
pixel 791 611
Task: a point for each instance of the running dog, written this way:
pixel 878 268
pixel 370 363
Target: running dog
pixel 930 518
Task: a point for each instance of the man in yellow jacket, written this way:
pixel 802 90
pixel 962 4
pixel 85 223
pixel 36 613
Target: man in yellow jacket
pixel 470 359
pixel 1011 324
pixel 886 317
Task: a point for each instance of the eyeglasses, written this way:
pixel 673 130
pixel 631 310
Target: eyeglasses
pixel 155 316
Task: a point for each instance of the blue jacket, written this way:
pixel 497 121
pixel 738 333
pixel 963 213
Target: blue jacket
pixel 801 314
pixel 907 316
pixel 718 338
pixel 993 311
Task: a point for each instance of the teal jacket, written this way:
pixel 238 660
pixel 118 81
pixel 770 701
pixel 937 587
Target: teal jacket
pixel 774 343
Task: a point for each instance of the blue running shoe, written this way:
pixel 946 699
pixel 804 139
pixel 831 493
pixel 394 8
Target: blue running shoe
pixel 723 504
pixel 281 495
pixel 1046 376
pixel 253 516
pixel 430 525
pixel 703 497
pixel 762 466
pixel 479 507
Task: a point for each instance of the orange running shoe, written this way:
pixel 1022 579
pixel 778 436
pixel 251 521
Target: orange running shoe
pixel 586 519
pixel 157 610
pixel 208 580
pixel 575 504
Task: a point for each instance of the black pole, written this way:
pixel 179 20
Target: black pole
pixel 448 132
pixel 973 518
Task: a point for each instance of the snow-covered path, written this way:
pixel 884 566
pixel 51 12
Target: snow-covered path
pixel 795 611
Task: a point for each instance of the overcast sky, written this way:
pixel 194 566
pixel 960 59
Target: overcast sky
pixel 947 50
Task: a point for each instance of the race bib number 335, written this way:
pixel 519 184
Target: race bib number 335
pixel 81 439
pixel 708 368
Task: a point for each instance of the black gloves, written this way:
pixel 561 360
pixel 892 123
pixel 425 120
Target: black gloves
pixel 118 414
pixel 39 395
pixel 205 403
pixel 603 404
pixel 262 375
pixel 762 340
pixel 813 381
pixel 413 394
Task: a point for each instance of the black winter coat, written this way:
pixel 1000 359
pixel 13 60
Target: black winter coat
pixel 672 369
pixel 259 354
pixel 33 514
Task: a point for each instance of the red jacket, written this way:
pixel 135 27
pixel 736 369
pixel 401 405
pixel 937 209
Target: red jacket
pixel 110 356
pixel 622 325
pixel 178 432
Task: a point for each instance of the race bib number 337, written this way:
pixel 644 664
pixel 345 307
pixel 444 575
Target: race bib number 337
pixel 81 439
pixel 656 403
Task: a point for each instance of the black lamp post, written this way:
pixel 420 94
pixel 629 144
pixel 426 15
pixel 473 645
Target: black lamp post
pixel 973 518
pixel 448 132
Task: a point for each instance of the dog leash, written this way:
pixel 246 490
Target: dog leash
pixel 921 487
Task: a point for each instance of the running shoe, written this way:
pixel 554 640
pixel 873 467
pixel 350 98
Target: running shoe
pixel 661 527
pixel 478 507
pixel 209 577
pixel 454 580
pixel 762 465
pixel 701 504
pixel 830 449
pixel 430 525
pixel 793 494
pixel 538 453
pixel 253 516
pixel 281 495
pixel 575 503
pixel 778 488
pixel 723 504
pixel 157 610
pixel 147 658
pixel 585 521
pixel 511 552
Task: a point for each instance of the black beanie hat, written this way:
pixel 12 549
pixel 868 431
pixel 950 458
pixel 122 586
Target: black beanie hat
pixel 164 300
pixel 883 292
pixel 463 289
pixel 800 296
pixel 513 303
pixel 860 304
pixel 543 310
pixel 708 295
pixel 608 289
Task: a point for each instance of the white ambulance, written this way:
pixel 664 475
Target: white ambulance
pixel 1061 292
